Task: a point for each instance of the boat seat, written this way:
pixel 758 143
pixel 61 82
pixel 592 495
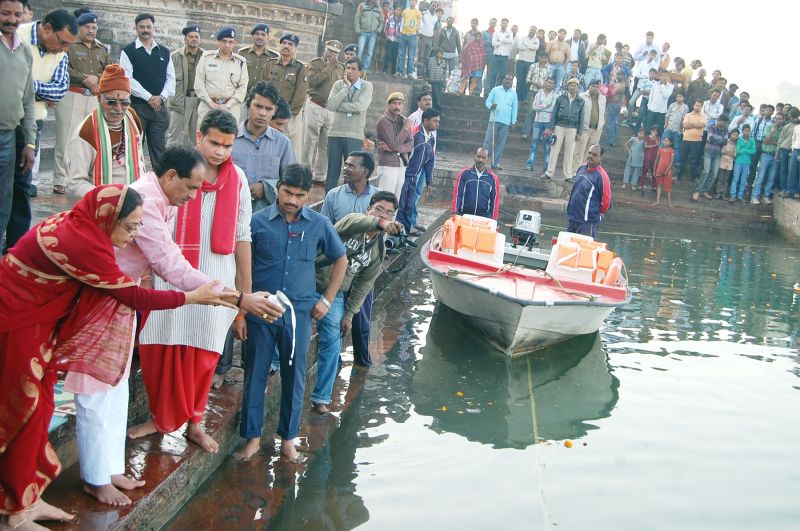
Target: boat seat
pixel 568 260
pixel 477 239
pixel 604 259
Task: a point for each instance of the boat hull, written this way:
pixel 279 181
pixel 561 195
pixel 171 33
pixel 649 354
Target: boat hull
pixel 512 326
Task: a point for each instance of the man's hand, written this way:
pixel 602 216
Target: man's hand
pixel 577 137
pixel 319 310
pixel 28 158
pixel 240 329
pixel 51 104
pixel 428 190
pixel 493 107
pixel 155 102
pixel 347 326
pixel 258 305
pixel 391 228
pixel 257 191
pixel 383 146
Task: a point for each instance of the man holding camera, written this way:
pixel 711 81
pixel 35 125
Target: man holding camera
pixel 362 235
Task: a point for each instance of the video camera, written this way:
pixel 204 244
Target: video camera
pixel 401 242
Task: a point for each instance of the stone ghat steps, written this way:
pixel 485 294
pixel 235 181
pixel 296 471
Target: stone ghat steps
pixel 173 467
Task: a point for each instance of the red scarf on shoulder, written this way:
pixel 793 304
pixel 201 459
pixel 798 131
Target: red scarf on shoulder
pixel 226 215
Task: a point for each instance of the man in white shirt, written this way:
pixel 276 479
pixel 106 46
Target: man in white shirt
pixel 658 102
pixel 501 43
pixel 427 28
pixel 641 55
pixel 577 48
pixel 527 46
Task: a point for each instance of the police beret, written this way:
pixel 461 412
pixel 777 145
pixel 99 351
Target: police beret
pixel 226 33
pixel 351 48
pixel 291 37
pixel 191 28
pixel 87 18
pixel 260 27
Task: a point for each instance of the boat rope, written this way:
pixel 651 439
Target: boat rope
pixel 590 298
pixel 452 272
pixel 540 465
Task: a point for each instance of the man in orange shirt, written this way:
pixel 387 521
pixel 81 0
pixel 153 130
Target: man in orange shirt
pixel 692 147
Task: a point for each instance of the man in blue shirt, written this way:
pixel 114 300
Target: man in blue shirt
pixel 503 104
pixel 261 151
pixel 286 238
pixel 353 197
pixel 422 161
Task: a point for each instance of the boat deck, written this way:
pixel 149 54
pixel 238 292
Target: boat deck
pixel 530 285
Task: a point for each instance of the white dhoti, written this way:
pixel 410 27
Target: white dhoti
pixel 101 422
pixel 391 178
pixel 70 112
pixel 318 121
pixel 183 123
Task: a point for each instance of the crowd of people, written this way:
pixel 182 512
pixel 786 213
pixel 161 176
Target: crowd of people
pixel 569 92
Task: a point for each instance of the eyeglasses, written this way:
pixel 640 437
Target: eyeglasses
pixel 113 102
pixel 380 210
pixel 132 231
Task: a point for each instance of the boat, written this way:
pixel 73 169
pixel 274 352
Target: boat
pixel 520 309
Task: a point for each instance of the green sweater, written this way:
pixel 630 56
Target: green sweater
pixel 16 91
pixel 745 149
pixel 349 110
pixel 364 260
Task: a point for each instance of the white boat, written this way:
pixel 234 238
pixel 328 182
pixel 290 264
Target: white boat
pixel 519 309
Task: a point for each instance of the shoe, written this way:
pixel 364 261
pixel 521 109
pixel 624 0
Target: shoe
pixel 707 196
pixel 397 74
pixel 412 243
pixel 421 228
pixel 731 200
pixel 797 196
pixel 322 409
pixel 412 75
pixel 696 196
pixel 524 137
pixel 414 233
pixel 528 168
pixel 766 201
pixel 755 201
pixel 59 189
pixel 392 252
pixel 33 191
pixel 569 179
pixel 545 176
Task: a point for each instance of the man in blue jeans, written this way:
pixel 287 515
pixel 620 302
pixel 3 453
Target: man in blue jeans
pixel 542 107
pixel 286 239
pixel 362 235
pixel 368 22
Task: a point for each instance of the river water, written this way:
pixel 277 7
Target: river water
pixel 681 414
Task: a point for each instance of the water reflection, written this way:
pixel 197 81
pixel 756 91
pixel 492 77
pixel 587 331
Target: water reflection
pixel 510 403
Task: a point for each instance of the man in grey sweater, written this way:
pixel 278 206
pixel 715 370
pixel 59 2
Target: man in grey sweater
pixel 362 235
pixel 349 100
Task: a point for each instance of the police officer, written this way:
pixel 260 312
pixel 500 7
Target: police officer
pixel 322 73
pixel 221 79
pixel 87 60
pixel 291 78
pixel 183 105
pixel 257 54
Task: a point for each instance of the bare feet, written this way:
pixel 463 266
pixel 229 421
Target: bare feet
pixel 19 522
pixel 669 205
pixel 41 510
pixel 289 451
pixel 196 434
pixel 656 203
pixel 250 449
pixel 126 483
pixel 218 381
pixel 142 430
pixel 107 494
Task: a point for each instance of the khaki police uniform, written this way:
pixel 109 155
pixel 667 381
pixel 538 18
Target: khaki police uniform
pixel 183 105
pixel 78 102
pixel 291 80
pixel 222 81
pixel 256 64
pixel 318 118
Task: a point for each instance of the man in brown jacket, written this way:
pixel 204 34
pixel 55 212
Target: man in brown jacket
pixel 395 142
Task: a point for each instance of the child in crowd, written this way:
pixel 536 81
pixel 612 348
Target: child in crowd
pixel 726 165
pixel 745 149
pixel 633 167
pixel 663 171
pixel 650 153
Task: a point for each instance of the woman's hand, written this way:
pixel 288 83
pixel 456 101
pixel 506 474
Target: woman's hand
pixel 209 294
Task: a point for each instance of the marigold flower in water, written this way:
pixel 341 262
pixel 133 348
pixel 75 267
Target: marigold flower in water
pixel 568 444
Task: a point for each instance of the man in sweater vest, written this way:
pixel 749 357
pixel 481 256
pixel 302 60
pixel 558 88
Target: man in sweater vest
pixel 49 39
pixel 152 75
pixel 17 112
pixel 183 104
pixel 349 100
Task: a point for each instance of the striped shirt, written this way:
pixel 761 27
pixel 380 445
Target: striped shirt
pixel 202 326
pixel 54 89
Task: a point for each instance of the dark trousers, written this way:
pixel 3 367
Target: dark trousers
pixel 408 197
pixel 155 125
pixel 655 119
pixel 499 68
pixel 339 148
pixel 754 167
pixel 437 89
pixel 390 57
pixel 258 351
pixel 783 168
pixel 8 160
pixel 691 154
pixel 583 227
pixel 360 332
pixel 225 362
pixel 20 221
pixel 522 86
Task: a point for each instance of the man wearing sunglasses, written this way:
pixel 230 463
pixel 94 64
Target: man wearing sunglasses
pixel 107 146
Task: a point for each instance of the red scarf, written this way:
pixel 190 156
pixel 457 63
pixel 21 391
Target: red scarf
pixel 226 215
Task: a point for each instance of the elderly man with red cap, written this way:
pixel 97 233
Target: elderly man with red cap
pixel 106 148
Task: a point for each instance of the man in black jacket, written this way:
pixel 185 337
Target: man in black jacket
pixel 567 124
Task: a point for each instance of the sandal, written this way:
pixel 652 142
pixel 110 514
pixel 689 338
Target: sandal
pixel 59 189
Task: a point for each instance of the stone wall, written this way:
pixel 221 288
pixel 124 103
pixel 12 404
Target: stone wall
pixel 787 217
pixel 306 18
